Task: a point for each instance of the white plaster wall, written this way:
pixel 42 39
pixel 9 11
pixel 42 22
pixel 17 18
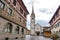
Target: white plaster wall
pixel 37 28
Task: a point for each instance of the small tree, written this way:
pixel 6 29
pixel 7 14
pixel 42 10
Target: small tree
pixel 55 36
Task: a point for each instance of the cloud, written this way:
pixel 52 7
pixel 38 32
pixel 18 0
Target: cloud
pixel 42 22
pixel 44 10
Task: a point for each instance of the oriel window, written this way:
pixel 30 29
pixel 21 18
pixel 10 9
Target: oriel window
pixel 2 5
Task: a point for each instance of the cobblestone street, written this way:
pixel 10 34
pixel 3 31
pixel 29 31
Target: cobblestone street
pixel 28 37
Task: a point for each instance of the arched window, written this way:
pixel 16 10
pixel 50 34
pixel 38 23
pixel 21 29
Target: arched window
pixel 17 30
pixel 8 28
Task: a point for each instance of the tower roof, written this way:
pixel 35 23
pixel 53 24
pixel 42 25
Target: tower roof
pixel 32 10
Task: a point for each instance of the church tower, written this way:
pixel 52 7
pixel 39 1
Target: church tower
pixel 32 24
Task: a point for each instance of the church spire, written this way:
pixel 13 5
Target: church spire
pixel 33 9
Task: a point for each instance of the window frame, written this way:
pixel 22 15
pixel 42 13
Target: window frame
pixel 24 14
pixel 2 5
pixel 21 10
pixel 9 11
pixel 8 28
pixel 17 30
pixel 14 2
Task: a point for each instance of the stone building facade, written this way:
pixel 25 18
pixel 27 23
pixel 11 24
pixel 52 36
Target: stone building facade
pixel 55 22
pixel 12 19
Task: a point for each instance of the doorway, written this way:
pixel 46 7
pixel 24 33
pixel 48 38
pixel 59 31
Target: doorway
pixel 6 38
pixel 37 33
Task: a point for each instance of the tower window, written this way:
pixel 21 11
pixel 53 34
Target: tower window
pixel 2 5
pixel 32 18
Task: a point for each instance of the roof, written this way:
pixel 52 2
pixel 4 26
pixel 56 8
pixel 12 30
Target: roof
pixel 55 13
pixel 23 6
pixel 33 10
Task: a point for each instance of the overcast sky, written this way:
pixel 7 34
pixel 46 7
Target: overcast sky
pixel 44 10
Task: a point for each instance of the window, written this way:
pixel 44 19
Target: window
pixel 57 15
pixel 32 18
pixel 59 30
pixel 20 19
pixel 56 31
pixel 24 22
pixel 14 2
pixel 2 5
pixel 21 10
pixel 22 31
pixel 54 18
pixel 8 28
pixel 24 15
pixel 59 23
pixel 9 11
pixel 56 25
pixel 17 30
